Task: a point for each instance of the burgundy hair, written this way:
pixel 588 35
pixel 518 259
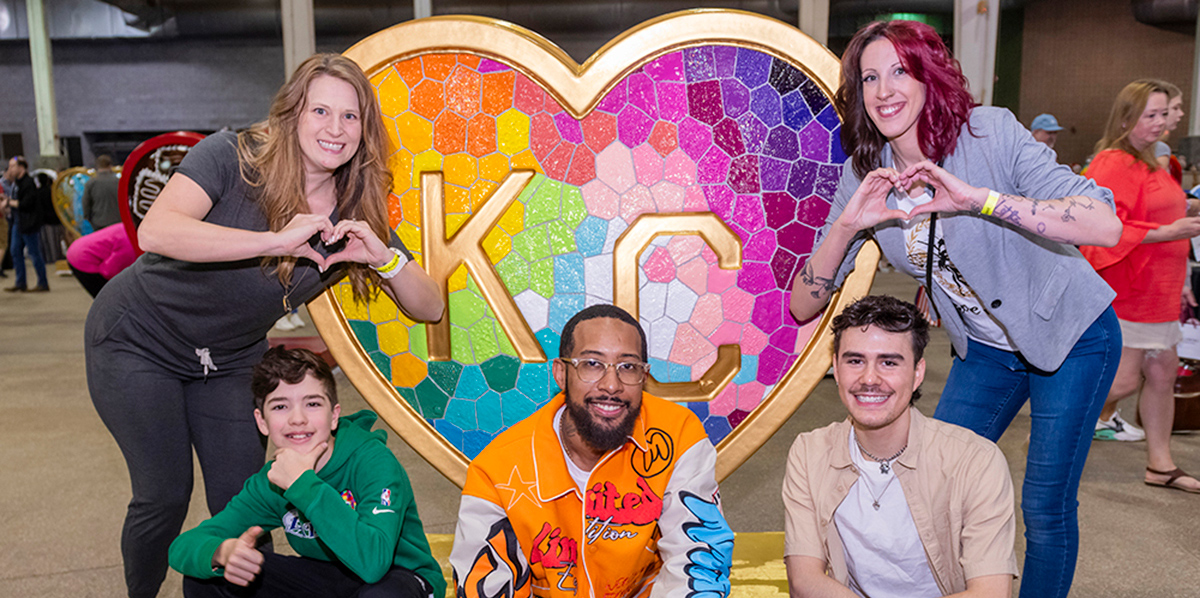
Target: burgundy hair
pixel 924 55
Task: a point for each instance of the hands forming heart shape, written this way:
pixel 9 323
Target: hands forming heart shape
pixel 358 243
pixel 868 206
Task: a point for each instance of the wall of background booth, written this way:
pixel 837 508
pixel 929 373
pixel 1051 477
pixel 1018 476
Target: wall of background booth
pixel 1077 54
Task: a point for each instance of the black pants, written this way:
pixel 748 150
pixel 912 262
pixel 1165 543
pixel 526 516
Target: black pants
pixel 297 577
pixel 158 409
pixel 7 262
pixel 91 281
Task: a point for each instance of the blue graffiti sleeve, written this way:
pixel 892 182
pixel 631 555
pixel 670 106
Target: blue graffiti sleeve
pixel 708 571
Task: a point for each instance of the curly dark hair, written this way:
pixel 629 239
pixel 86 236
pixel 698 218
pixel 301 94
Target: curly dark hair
pixel 887 313
pixel 280 364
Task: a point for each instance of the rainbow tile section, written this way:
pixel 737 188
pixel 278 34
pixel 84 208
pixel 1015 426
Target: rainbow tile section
pixel 715 128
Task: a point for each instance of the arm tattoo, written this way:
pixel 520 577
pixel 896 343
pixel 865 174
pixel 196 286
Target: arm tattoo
pixel 1006 210
pixel 823 285
pixel 1083 203
pixel 1041 229
pixel 1034 204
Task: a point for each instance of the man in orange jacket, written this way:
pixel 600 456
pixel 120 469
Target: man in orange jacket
pixel 604 492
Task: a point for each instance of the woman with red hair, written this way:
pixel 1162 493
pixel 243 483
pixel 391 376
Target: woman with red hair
pixel 963 198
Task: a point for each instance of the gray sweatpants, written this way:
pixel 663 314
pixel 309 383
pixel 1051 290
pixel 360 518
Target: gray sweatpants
pixel 158 408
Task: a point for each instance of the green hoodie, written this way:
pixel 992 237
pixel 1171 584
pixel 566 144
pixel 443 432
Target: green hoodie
pixel 357 510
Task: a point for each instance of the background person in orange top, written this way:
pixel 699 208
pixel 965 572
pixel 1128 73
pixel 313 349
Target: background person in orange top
pixel 1146 268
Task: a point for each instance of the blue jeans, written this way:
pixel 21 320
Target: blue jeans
pixel 21 241
pixel 987 389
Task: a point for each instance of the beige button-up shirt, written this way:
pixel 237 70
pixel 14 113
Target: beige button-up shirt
pixel 956 483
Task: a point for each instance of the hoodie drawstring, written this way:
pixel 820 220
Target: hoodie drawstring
pixel 206 361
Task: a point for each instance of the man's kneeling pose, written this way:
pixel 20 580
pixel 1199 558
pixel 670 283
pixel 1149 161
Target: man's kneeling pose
pixel 888 502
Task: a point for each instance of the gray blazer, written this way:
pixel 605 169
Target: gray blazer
pixel 1044 293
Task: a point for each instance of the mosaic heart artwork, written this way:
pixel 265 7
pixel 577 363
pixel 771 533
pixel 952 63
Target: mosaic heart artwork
pixel 67 195
pixel 681 173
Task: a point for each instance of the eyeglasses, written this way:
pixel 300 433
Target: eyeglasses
pixel 591 370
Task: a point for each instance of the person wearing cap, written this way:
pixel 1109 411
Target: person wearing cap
pixel 1045 128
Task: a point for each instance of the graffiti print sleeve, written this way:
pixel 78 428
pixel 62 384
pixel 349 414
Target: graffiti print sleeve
pixel 487 558
pixel 696 544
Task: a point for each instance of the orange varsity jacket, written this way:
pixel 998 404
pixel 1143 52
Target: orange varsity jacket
pixel 650 523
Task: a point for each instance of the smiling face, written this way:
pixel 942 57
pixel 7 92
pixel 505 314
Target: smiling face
pixel 603 411
pixel 299 416
pixel 876 375
pixel 330 127
pixel 892 97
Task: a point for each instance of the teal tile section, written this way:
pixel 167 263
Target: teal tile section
pixel 487 411
pixel 471 385
pixel 382 362
pixel 445 374
pixel 461 413
pixel 432 399
pixel 534 381
pixel 410 396
pixel 501 372
pixel 516 407
pixel 365 331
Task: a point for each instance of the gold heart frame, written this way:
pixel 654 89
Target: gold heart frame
pixel 579 89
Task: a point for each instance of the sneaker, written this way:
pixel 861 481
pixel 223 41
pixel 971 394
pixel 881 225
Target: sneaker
pixel 284 324
pixel 295 319
pixel 1116 428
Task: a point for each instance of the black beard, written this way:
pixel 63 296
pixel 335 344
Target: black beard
pixel 600 438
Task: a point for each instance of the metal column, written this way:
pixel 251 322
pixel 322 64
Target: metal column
pixel 422 9
pixel 43 87
pixel 299 34
pixel 976 23
pixel 814 19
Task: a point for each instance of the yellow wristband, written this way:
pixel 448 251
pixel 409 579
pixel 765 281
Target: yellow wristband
pixel 990 204
pixel 388 267
pixel 392 268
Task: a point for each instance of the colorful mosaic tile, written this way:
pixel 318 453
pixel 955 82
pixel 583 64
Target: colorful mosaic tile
pixel 717 129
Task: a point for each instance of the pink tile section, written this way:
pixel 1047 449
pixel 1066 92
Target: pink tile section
pixel 689 345
pixel 658 266
pixel 706 316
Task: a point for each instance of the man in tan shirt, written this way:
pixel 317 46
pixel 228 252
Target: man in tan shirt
pixel 889 502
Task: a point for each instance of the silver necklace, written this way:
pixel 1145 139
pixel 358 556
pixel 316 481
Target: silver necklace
pixel 875 499
pixel 885 465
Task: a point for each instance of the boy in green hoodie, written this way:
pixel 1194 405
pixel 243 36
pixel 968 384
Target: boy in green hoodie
pixel 335 488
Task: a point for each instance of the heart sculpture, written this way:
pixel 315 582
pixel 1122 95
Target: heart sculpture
pixel 67 194
pixel 682 173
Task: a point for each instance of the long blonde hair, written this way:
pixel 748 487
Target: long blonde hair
pixel 270 160
pixel 1126 111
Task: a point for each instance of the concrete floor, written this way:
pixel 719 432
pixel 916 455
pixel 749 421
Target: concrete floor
pixel 64 486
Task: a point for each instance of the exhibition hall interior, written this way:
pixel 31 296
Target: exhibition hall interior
pixel 515 162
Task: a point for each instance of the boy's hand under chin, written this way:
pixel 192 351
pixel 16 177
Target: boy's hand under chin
pixel 289 464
